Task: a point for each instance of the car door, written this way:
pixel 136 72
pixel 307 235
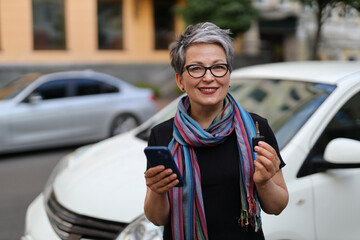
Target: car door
pixel 92 104
pixel 337 191
pixel 45 121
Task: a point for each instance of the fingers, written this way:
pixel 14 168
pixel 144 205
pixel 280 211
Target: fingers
pixel 151 172
pixel 267 155
pixel 267 162
pixel 262 174
pixel 160 180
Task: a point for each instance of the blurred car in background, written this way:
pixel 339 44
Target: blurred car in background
pixel 67 108
pixel 97 192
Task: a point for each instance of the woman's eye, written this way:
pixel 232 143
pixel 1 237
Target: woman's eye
pixel 219 67
pixel 195 69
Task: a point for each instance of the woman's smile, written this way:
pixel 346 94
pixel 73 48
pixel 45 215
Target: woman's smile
pixel 208 90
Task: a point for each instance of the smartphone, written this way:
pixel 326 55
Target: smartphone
pixel 159 155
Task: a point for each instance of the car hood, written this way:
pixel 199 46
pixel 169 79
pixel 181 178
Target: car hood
pixel 107 181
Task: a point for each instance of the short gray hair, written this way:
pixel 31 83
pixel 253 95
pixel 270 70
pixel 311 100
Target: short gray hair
pixel 200 33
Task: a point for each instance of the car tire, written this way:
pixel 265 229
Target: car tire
pixel 123 123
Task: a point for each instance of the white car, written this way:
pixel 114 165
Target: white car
pixel 97 192
pixel 67 108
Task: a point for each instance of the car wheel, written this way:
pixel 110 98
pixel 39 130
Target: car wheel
pixel 123 123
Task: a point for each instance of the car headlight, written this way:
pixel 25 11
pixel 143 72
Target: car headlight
pixel 66 161
pixel 141 229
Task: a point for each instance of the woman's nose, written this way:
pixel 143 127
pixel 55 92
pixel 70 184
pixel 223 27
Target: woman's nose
pixel 208 75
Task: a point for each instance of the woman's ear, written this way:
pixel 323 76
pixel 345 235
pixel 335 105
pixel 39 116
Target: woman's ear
pixel 179 82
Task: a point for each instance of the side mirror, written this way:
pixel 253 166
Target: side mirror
pixel 34 98
pixel 339 153
pixel 343 151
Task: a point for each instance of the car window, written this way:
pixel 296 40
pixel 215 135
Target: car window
pixel 286 104
pixel 52 90
pixel 83 87
pixel 345 124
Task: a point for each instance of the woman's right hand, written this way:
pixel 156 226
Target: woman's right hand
pixel 160 180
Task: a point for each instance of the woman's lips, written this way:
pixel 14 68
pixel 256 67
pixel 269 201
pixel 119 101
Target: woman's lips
pixel 208 90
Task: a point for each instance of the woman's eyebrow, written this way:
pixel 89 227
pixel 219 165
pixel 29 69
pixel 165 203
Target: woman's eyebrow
pixel 201 63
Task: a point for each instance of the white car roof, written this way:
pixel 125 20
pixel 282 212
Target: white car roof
pixel 330 72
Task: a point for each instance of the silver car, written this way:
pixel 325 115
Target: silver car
pixel 67 108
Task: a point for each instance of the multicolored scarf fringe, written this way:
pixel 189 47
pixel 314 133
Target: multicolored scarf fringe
pixel 187 208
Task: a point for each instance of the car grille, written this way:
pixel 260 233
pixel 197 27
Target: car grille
pixel 72 226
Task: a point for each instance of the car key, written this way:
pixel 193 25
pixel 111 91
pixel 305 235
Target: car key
pixel 258 138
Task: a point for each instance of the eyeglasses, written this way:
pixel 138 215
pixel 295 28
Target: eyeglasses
pixel 198 71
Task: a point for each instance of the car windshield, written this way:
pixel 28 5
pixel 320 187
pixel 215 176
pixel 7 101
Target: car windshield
pixel 15 86
pixel 286 104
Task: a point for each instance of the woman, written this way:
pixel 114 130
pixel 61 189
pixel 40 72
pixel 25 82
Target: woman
pixel 226 183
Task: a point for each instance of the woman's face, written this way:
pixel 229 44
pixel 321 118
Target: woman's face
pixel 207 91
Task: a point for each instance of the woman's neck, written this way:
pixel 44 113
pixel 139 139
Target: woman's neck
pixel 205 115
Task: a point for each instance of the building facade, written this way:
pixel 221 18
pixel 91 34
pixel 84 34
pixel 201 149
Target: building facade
pixel 86 31
pixel 286 30
pixel 129 38
pixel 274 33
pixel 340 36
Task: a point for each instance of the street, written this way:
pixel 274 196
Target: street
pixel 22 178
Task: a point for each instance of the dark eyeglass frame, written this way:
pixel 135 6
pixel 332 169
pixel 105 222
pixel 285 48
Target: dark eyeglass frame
pixel 208 68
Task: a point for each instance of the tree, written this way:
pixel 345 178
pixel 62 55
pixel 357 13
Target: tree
pixel 236 15
pixel 322 9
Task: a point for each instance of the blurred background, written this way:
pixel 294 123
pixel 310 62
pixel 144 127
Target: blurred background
pixel 129 39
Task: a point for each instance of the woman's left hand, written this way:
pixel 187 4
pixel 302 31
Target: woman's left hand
pixel 266 164
pixel 270 184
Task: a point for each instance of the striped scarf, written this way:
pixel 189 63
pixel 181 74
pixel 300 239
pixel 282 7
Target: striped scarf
pixel 187 208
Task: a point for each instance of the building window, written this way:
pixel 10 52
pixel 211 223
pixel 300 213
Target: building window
pixel 164 23
pixel 48 24
pixel 110 29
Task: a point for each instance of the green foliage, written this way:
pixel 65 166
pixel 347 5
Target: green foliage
pixel 156 89
pixel 236 15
